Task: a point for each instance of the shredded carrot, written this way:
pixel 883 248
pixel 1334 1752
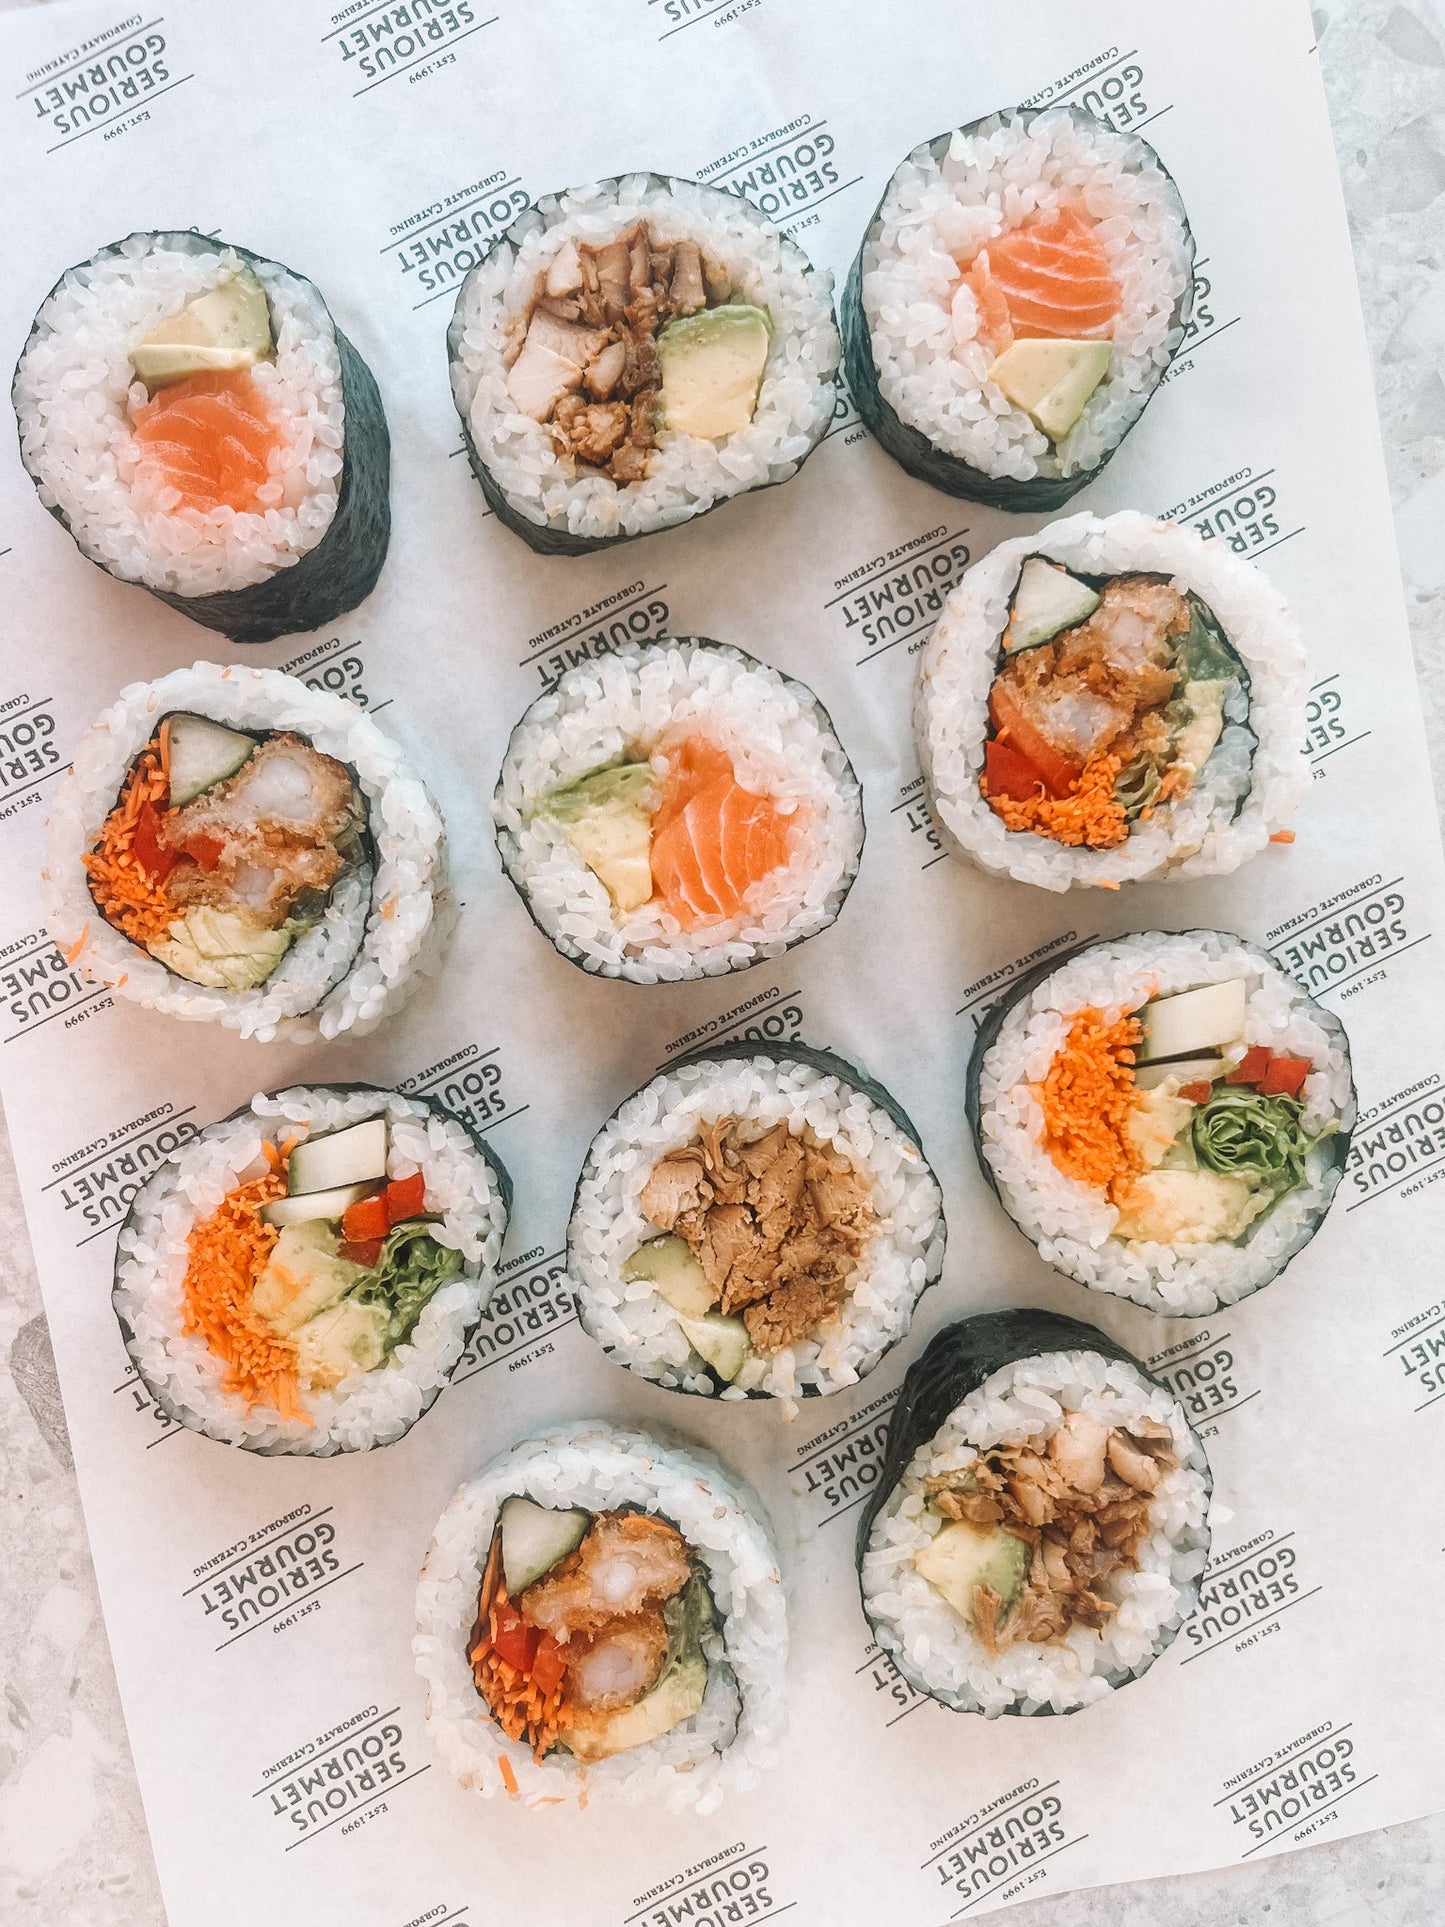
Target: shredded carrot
pixel 127 894
pixel 1087 1097
pixel 1105 883
pixel 526 1705
pixel 509 1777
pixel 1089 814
pixel 228 1252
pixel 79 945
pixel 1282 836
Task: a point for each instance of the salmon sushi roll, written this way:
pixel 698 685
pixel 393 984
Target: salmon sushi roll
pixel 678 810
pixel 1113 700
pixel 231 846
pixel 1018 297
pixel 191 413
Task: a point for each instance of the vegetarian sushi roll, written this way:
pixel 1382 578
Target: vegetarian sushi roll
pixel 678 810
pixel 630 354
pixel 1165 1116
pixel 233 846
pixel 304 1276
pixel 1038 1530
pixel 754 1223
pixel 1020 292
pixel 1110 700
pixel 601 1612
pixel 191 413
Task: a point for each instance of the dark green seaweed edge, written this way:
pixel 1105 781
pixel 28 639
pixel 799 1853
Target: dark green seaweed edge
pixel 955 1363
pixel 572 955
pixel 342 569
pixel 1338 1143
pixel 547 538
pixel 165 1173
pixel 832 1065
pixel 908 446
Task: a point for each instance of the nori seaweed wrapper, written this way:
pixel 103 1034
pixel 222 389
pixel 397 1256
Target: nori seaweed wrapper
pixel 908 446
pixel 342 568
pixel 559 944
pixel 555 538
pixel 1336 1145
pixel 832 1065
pixel 957 1361
pixel 194 1421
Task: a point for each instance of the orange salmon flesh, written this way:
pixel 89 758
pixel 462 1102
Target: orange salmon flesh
pixel 209 437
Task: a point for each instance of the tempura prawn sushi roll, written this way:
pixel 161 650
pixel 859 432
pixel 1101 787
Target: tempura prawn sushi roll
pixel 754 1223
pixel 232 846
pixel 632 353
pixel 678 810
pixel 1019 294
pixel 1165 1116
pixel 1041 1522
pixel 601 1613
pixel 1112 700
pixel 191 413
pixel 303 1277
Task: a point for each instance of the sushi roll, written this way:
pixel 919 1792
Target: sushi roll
pixel 1041 1521
pixel 754 1224
pixel 678 810
pixel 1110 700
pixel 1165 1116
pixel 629 354
pixel 1020 292
pixel 601 1613
pixel 231 846
pixel 303 1277
pixel 191 413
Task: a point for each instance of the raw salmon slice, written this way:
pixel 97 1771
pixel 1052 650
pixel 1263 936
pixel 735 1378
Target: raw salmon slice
pixel 209 438
pixel 1054 278
pixel 712 840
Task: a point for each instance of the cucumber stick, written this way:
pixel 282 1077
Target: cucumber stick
pixel 356 1155
pixel 534 1538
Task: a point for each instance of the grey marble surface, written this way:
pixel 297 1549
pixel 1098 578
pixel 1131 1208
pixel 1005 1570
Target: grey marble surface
pixel 73 1845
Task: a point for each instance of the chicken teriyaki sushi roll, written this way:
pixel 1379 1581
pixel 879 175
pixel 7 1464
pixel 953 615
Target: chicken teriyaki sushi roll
pixel 1165 1116
pixel 1041 1522
pixel 235 847
pixel 754 1223
pixel 632 353
pixel 1019 294
pixel 1112 700
pixel 191 413
pixel 303 1277
pixel 601 1612
pixel 678 810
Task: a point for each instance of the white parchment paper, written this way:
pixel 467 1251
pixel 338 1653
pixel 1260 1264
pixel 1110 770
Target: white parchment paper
pixel 260 1610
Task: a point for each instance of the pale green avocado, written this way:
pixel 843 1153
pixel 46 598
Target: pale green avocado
pixel 304 1275
pixel 1194 743
pixel 222 949
pixel 712 367
pixel 668 1264
pixel 345 1338
pixel 607 818
pixel 222 331
pixel 1052 380
pixel 963 1556
pixel 1047 601
pixel 722 1341
pixel 675 1698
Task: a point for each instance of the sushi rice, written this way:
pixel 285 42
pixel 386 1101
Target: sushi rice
pixel 725 1745
pixel 1073 1223
pixel 936 1649
pixel 466 1192
pixel 781 743
pixel 809 1092
pixel 1250 786
pixel 386 923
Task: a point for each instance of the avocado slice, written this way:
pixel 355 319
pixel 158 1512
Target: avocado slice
pixel 1194 740
pixel 675 1698
pixel 1052 380
pixel 963 1556
pixel 668 1264
pixel 222 331
pixel 607 818
pixel 722 1341
pixel 223 949
pixel 346 1337
pixel 304 1275
pixel 1047 601
pixel 712 367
